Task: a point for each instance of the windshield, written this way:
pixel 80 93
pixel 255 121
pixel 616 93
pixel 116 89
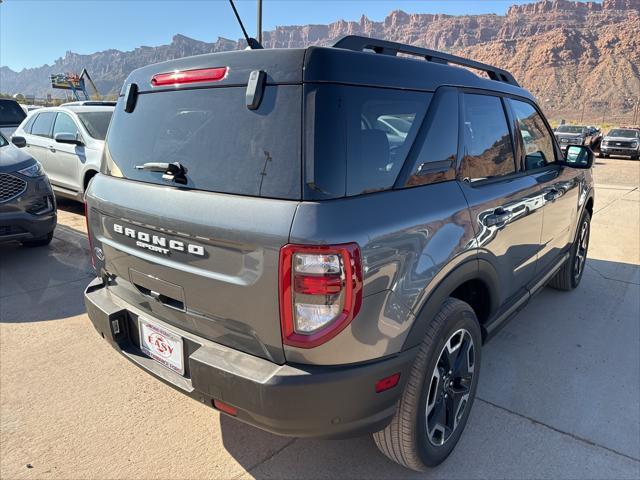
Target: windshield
pixel 623 133
pixel 10 113
pixel 96 123
pixel 569 129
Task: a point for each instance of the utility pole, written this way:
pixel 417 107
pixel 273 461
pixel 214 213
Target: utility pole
pixel 584 102
pixel 260 22
pixel 604 112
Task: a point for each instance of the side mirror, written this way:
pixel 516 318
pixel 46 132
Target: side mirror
pixel 19 142
pixel 71 138
pixel 578 156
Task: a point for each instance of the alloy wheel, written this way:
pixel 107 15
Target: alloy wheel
pixel 581 250
pixel 450 387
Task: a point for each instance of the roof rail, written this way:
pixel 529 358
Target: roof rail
pixel 359 44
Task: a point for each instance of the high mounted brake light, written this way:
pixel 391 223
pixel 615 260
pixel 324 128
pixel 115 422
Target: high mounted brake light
pixel 320 291
pixel 179 77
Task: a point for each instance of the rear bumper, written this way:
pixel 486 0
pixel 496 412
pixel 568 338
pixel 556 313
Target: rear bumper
pixel 291 400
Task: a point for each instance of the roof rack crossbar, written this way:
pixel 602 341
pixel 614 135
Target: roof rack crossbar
pixel 360 44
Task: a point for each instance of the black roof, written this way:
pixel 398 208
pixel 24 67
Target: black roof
pixel 353 60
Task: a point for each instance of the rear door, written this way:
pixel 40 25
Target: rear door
pixel 202 253
pixel 39 142
pixel 65 158
pixel 506 205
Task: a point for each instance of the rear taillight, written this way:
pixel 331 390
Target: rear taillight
pixel 189 76
pixel 320 291
pixel 86 219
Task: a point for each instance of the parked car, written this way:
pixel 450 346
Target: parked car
pixel 345 284
pixel 27 204
pixel 577 135
pixel 68 142
pixel 11 115
pixel 621 141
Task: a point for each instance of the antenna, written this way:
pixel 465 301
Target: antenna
pixel 252 42
pixel 260 22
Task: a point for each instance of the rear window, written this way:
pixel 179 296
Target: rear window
pixel 96 123
pixel 224 146
pixel 357 138
pixel 11 113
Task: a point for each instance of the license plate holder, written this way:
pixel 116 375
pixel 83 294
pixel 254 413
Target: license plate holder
pixel 162 345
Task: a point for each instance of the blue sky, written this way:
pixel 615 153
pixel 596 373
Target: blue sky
pixel 35 32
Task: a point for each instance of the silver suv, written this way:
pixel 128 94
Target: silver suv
pixel 68 142
pixel 264 243
pixel 621 141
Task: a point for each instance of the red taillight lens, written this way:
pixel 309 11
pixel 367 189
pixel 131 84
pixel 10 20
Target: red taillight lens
pixel 86 219
pixel 320 291
pixel 387 382
pixel 225 407
pixel 189 76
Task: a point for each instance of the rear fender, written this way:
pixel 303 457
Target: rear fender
pixel 438 291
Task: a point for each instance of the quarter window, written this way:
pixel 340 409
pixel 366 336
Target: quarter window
pixel 439 143
pixel 488 148
pixel 536 139
pixel 42 124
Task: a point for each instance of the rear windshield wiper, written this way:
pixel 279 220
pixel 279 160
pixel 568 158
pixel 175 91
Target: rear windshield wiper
pixel 175 171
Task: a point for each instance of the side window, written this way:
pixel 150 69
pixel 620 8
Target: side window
pixel 536 138
pixel 42 124
pixel 488 148
pixel 29 124
pixel 439 142
pixel 64 124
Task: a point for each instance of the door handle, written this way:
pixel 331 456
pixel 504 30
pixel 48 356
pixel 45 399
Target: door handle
pixel 52 149
pixel 499 216
pixel 552 195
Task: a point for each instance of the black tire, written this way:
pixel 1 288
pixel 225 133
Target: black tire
pixel 603 155
pixel 570 274
pixel 406 440
pixel 39 242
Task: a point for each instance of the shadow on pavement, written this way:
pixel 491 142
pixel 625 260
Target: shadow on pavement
pixel 44 283
pixel 71 206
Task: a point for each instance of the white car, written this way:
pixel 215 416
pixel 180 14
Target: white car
pixel 68 142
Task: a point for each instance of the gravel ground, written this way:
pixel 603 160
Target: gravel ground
pixel 559 395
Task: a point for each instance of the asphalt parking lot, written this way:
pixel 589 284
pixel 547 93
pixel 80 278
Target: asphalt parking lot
pixel 559 395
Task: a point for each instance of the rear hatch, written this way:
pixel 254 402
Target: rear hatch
pixel 199 250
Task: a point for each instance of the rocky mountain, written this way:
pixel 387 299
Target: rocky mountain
pixel 571 55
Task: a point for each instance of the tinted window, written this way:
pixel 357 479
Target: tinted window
pixel 536 138
pixel 96 123
pixel 224 146
pixel 488 149
pixel 11 113
pixel 3 141
pixel 357 138
pixel 29 124
pixel 42 124
pixel 439 142
pixel 64 124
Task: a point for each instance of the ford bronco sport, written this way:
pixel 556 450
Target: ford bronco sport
pixel 267 245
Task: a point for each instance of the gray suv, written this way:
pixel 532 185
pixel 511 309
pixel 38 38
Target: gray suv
pixel 264 243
